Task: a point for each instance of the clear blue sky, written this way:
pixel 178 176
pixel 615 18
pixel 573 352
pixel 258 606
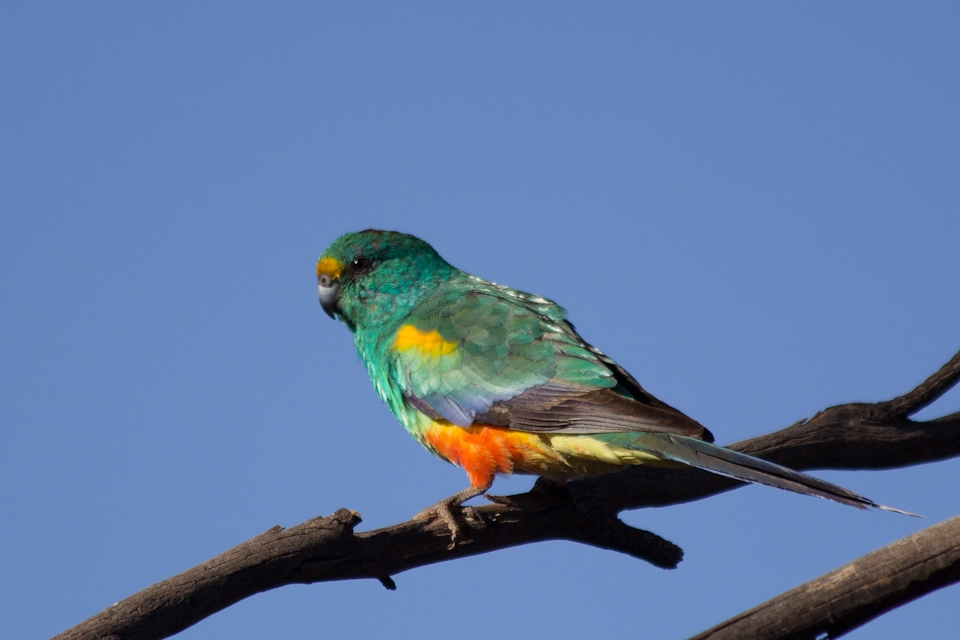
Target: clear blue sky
pixel 754 207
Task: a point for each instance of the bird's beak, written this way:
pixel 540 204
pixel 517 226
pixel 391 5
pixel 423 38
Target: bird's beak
pixel 328 275
pixel 328 296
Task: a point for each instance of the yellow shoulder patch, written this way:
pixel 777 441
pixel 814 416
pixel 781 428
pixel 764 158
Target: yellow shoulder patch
pixel 428 342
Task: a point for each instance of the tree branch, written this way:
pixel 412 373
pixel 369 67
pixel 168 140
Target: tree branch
pixel 850 436
pixel 854 594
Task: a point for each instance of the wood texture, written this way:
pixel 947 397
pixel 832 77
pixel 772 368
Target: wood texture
pixel 855 593
pixel 850 436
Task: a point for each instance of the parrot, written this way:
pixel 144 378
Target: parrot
pixel 497 381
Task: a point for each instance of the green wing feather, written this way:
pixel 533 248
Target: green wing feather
pixel 519 363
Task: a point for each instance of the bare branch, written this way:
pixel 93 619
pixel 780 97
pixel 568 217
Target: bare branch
pixel 855 593
pixel 928 392
pixel 851 436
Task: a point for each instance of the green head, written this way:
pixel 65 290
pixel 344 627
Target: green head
pixel 370 278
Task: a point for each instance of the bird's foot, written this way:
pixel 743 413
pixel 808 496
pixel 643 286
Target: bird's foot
pixel 507 501
pixel 454 515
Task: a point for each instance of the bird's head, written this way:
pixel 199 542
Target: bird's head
pixel 370 277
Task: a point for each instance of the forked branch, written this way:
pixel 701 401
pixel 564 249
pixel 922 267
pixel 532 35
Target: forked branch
pixel 850 436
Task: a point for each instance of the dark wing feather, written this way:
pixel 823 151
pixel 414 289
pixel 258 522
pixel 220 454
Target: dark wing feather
pixel 559 408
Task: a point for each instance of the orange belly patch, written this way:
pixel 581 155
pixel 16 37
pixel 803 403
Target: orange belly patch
pixel 484 451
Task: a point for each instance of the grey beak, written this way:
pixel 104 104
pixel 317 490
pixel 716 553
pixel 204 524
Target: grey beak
pixel 328 288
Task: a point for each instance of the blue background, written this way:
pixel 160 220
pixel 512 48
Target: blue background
pixel 754 207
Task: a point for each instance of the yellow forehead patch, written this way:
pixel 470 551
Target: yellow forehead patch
pixel 329 266
pixel 428 342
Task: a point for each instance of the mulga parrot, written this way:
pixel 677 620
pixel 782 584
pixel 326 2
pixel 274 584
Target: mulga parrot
pixel 497 381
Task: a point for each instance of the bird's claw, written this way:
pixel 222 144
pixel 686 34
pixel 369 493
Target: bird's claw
pixel 445 511
pixel 473 518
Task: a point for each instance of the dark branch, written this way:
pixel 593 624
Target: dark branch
pixel 928 392
pixel 851 436
pixel 856 593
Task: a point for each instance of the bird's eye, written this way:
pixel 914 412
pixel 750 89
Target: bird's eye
pixel 362 264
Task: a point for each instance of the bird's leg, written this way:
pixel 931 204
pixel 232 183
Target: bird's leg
pixel 444 511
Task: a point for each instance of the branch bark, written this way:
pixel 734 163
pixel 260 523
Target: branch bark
pixel 854 594
pixel 850 436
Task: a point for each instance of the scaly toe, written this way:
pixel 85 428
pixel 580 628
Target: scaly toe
pixel 442 511
pixel 427 514
pixel 506 501
pixel 473 519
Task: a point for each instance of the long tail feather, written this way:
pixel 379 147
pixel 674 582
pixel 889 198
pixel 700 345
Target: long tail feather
pixel 740 466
